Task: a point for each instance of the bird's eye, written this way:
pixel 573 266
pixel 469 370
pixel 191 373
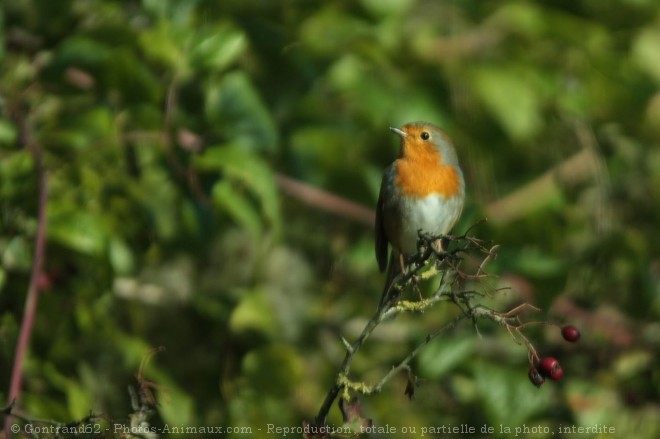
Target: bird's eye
pixel 425 136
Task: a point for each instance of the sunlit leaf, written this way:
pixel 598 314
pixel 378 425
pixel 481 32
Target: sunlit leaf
pixel 253 315
pixel 216 47
pixel 249 171
pixel 8 132
pixel 524 18
pixel 121 256
pixel 78 230
pixel 78 399
pixel 388 7
pixel 511 99
pixel 179 12
pixel 646 50
pixel 175 406
pixel 236 204
pixel 17 254
pixel 159 43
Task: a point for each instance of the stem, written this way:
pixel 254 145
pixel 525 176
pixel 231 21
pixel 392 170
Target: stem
pixel 346 365
pixel 32 297
pixel 403 364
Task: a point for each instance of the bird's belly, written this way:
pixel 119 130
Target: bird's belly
pixel 433 214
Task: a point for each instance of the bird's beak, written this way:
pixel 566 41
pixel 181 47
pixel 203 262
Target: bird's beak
pixel 399 132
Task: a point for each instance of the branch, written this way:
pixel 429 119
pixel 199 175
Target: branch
pixel 428 262
pixel 433 260
pixel 325 200
pixel 32 298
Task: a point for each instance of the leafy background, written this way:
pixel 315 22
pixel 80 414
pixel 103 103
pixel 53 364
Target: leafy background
pixel 167 129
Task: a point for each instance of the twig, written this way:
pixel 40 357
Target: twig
pixel 326 201
pixel 32 298
pixel 391 307
pixel 345 367
pixel 403 364
pixel 188 174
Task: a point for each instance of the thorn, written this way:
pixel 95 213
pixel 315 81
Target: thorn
pixel 346 344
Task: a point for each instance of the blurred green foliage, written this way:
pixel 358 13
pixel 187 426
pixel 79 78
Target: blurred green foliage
pixel 163 125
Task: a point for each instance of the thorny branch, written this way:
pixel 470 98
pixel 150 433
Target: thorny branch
pixel 427 263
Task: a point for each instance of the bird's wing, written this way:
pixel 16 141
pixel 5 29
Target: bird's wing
pixel 381 239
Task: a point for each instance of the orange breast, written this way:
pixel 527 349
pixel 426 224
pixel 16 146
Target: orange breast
pixel 420 172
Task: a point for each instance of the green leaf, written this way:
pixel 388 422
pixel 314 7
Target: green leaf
pixel 507 395
pixel 17 164
pixel 523 18
pixel 646 50
pixel 592 403
pixel 77 398
pixel 179 12
pixel 534 263
pixel 8 132
pixel 216 47
pixel 176 407
pixel 16 171
pixel 162 43
pixel 77 230
pixel 438 358
pixel 253 315
pixel 121 256
pixel 274 369
pixel 125 72
pixel 323 147
pixel 229 198
pixel 81 51
pixel 244 169
pixel 331 29
pixel 512 100
pixel 387 7
pixel 235 109
pixel 17 254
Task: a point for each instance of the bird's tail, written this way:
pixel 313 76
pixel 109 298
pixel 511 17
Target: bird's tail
pixel 393 271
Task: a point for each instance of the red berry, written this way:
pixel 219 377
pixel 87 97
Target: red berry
pixel 535 376
pixel 570 333
pixel 550 368
pixel 557 374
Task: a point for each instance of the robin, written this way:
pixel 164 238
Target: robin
pixel 422 190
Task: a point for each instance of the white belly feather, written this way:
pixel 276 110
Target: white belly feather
pixel 433 214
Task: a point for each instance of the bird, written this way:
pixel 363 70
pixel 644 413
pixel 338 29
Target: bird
pixel 423 189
